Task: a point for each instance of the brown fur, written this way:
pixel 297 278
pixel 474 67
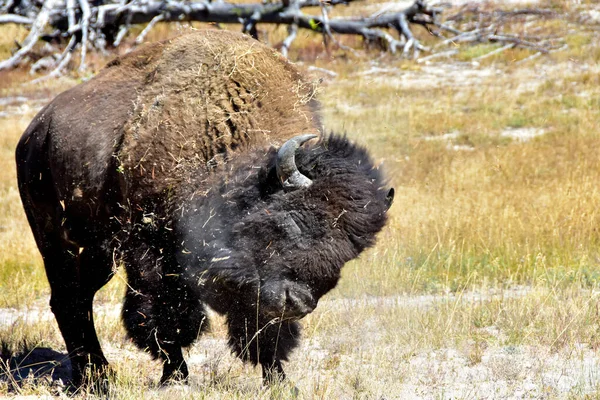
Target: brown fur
pixel 164 110
pixel 211 93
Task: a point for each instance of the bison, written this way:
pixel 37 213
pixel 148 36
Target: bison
pixel 186 161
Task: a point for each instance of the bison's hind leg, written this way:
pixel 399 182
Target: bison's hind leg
pixel 74 280
pixel 75 271
pixel 161 315
pixel 263 341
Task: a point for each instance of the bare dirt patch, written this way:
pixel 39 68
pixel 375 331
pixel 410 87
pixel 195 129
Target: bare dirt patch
pixel 375 356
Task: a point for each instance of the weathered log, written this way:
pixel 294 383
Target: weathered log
pixel 98 24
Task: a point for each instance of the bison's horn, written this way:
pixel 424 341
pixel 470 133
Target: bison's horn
pixel 287 171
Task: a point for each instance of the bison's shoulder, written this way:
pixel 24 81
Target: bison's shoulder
pixel 210 95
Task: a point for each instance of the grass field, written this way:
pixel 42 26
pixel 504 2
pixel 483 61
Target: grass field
pixel 484 284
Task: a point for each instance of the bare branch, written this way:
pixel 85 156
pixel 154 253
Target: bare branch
pixel 531 57
pixel 411 42
pixel 148 28
pixel 71 15
pixel 292 32
pixel 327 34
pixel 103 10
pixel 515 41
pixel 221 12
pixel 485 26
pixel 85 22
pixel 121 35
pixel 38 25
pixel 461 36
pixel 15 19
pixel 447 28
pixel 442 54
pixel 105 23
pixel 327 72
pixel 493 52
pixel 62 62
pixel 249 25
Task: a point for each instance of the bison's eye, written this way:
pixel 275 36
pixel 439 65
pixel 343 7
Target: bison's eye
pixel 291 228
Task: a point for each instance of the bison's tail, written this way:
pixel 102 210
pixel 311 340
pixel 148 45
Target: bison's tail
pixel 36 186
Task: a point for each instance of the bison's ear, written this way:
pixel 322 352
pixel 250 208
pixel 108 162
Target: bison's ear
pixel 389 198
pixel 287 171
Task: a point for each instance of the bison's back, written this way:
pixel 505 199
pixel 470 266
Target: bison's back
pixel 153 119
pixel 66 154
pixel 209 95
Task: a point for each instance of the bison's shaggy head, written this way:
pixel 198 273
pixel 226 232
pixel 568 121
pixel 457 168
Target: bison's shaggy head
pixel 281 227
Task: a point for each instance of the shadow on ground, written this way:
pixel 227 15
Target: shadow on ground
pixel 38 365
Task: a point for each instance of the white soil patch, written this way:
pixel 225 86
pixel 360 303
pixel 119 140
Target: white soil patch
pixel 594 16
pixel 433 75
pixel 20 105
pixel 445 137
pixel 448 138
pixel 463 2
pixel 4 101
pixel 502 373
pixel 522 134
pixel 39 313
pixel 430 76
pixel 426 300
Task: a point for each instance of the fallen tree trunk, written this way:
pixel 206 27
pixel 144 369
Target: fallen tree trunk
pixel 99 24
pixel 103 24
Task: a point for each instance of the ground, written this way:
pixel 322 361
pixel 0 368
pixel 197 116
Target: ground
pixel 484 284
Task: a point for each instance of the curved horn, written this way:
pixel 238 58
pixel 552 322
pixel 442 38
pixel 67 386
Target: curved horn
pixel 287 171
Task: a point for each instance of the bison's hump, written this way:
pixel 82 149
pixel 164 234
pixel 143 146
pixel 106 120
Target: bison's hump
pixel 206 95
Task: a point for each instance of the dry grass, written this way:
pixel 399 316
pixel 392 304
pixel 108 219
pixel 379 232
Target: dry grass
pixel 484 284
pixel 496 209
pixel 21 271
pixel 390 347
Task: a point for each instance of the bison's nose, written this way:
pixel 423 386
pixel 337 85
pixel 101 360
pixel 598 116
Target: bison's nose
pixel 298 302
pixel 286 299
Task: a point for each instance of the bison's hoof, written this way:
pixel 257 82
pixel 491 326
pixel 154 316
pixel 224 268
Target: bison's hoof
pixel 284 390
pixel 282 386
pixel 173 375
pixel 93 379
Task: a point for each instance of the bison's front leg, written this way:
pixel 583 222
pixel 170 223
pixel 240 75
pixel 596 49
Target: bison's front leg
pixel 148 327
pixel 262 340
pixel 160 313
pixel 273 373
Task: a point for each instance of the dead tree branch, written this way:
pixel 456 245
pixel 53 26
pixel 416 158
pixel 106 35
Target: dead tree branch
pixel 108 23
pixel 480 24
pixel 34 34
pixel 15 19
pixel 85 23
pixel 101 24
